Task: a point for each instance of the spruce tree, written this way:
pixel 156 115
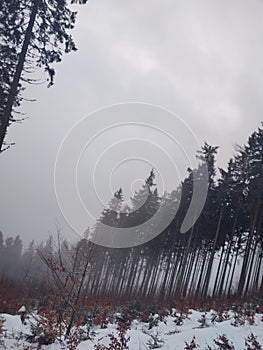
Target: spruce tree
pixel 33 34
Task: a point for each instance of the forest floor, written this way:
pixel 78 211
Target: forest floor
pixel 192 330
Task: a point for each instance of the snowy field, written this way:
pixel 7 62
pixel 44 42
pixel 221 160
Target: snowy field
pixel 171 332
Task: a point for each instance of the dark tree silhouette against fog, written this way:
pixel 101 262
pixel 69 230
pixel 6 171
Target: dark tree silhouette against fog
pixel 220 256
pixel 33 34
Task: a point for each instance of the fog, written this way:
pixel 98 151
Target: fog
pixel 200 60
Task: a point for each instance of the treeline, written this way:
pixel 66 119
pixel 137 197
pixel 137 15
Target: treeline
pixel 220 256
pixel 22 271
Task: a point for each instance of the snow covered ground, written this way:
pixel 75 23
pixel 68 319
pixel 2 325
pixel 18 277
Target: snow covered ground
pixel 204 327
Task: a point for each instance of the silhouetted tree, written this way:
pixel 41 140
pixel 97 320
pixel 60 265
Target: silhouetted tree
pixel 33 34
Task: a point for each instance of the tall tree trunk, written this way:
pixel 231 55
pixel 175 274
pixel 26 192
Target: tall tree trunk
pixel 233 271
pixel 172 278
pixel 221 286
pixel 243 273
pixel 212 255
pixel 184 262
pixel 255 280
pixel 165 279
pixel 188 275
pixel 5 117
pixel 194 275
pixel 218 271
pixel 252 259
pixel 202 271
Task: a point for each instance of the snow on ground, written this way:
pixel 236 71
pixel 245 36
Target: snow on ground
pixel 172 337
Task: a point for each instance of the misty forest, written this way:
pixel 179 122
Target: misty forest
pixel 219 259
pixel 67 293
pixel 221 256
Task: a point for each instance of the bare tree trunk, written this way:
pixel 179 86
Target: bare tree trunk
pixel 232 274
pixel 188 275
pixel 247 251
pixel 221 286
pixel 212 255
pixel 167 271
pixel 218 271
pixel 194 274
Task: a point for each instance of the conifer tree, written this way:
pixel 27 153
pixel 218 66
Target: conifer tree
pixel 33 34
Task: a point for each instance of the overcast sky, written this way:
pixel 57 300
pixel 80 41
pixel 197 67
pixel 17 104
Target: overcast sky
pixel 202 60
